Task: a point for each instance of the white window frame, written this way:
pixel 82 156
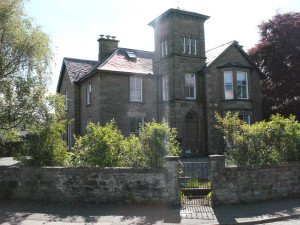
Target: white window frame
pixel 245 118
pixel 242 85
pixel 88 122
pixel 69 135
pixel 137 126
pixel 133 87
pixel 228 84
pixel 89 93
pixel 188 77
pixel 162 48
pixel 183 43
pixel 195 46
pixel 67 102
pixel 166 46
pixel 165 88
pixel 189 45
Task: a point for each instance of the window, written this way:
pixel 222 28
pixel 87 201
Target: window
pixel 228 85
pixel 136 89
pixel 166 46
pixel 183 43
pixel 242 85
pixel 190 87
pixel 245 118
pixel 67 103
pixel 88 122
pixel 135 124
pixel 69 136
pixel 195 45
pixel 89 93
pixel 131 55
pixel 189 45
pixel 162 50
pixel 165 85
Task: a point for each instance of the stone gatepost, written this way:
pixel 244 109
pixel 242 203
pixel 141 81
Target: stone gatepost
pixel 217 165
pixel 172 166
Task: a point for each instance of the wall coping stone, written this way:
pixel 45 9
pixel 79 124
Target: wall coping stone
pixel 89 169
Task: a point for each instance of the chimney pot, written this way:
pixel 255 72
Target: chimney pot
pixel 108 36
pixel 102 35
pixel 113 37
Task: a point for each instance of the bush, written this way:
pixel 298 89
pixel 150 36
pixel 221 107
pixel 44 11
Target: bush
pixel 275 141
pixel 107 147
pixel 102 146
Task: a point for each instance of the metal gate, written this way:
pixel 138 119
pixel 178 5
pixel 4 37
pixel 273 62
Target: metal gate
pixel 194 181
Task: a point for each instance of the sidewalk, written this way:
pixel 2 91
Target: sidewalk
pixel 33 213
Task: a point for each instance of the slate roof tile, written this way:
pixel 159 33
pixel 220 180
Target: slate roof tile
pixel 212 54
pixel 78 68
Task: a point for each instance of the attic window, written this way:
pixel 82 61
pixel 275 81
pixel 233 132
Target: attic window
pixel 131 55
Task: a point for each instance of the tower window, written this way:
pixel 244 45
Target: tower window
pixel 190 86
pixel 164 47
pixel 183 43
pixel 195 45
pixel 165 84
pixel 189 45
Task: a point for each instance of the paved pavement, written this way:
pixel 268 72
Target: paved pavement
pixel 28 212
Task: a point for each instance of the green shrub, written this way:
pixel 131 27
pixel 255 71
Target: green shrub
pixel 107 147
pixel 158 140
pixel 102 146
pixel 265 142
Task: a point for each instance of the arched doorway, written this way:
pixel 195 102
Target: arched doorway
pixel 191 133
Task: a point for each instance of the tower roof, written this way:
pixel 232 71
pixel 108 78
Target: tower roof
pixel 178 12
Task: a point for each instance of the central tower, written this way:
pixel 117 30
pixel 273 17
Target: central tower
pixel 179 58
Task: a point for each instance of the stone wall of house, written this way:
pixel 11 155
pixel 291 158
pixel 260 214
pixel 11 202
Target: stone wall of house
pixel 244 184
pixel 93 185
pixel 216 99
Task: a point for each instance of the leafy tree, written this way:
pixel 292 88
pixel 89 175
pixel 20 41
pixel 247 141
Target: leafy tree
pixel 265 142
pixel 278 56
pixel 44 146
pixel 25 59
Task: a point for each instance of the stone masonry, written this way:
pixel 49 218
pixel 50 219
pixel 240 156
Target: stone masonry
pixel 243 184
pixel 92 185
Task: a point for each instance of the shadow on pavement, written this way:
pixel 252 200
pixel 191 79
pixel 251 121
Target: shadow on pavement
pixel 257 211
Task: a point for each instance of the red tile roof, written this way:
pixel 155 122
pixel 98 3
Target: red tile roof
pixel 119 61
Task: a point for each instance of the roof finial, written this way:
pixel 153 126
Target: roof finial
pixel 177 1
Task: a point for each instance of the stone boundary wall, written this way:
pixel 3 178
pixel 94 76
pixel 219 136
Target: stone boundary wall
pixel 93 185
pixel 245 184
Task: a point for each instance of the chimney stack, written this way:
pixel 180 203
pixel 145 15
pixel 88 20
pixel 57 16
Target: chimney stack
pixel 107 46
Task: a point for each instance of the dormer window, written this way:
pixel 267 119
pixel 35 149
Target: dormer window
pixel 131 54
pixel 189 45
pixel 195 46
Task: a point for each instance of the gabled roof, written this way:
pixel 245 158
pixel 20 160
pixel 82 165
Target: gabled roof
pixel 120 61
pixel 215 53
pixel 77 69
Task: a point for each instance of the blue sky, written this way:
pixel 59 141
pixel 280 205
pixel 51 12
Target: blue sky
pixel 75 25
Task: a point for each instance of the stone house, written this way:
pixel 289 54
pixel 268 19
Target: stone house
pixel 179 82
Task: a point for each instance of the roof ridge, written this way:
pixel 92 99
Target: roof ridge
pixel 234 41
pixel 82 60
pixel 121 48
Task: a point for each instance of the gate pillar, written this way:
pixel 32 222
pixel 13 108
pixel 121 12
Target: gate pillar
pixel 172 166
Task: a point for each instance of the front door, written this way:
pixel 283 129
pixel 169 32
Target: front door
pixel 191 133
